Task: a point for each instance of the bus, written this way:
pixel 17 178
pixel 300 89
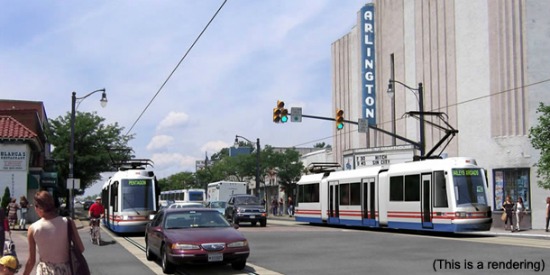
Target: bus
pixel 182 195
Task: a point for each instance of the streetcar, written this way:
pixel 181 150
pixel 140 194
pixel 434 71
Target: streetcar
pixel 130 197
pixel 182 195
pixel 440 195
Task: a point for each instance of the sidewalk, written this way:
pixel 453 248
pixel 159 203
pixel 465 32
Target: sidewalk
pixel 19 238
pixel 496 230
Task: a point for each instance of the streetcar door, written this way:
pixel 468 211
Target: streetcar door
pixel 368 202
pixel 334 202
pixel 427 213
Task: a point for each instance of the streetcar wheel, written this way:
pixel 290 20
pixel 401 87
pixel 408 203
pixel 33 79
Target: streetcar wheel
pixel 167 267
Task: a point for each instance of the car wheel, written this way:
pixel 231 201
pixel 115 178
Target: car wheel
pixel 263 223
pixel 235 220
pixel 253 223
pixel 148 253
pixel 238 265
pixel 167 267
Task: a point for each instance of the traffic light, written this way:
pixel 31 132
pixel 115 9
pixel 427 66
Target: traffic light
pixel 280 114
pixel 339 119
pixel 276 115
pixel 284 115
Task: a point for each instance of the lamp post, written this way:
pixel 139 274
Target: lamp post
pixel 103 102
pixel 420 91
pixel 257 156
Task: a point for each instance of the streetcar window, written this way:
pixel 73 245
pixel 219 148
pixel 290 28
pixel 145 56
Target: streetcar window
pixel 137 195
pixel 344 194
pixel 396 188
pixel 355 193
pixel 412 188
pixel 469 186
pixel 308 192
pixel 440 190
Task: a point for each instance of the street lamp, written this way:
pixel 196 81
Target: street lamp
pixel 257 156
pixel 103 102
pixel 391 93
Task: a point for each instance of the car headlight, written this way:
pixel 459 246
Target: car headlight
pixel 184 246
pixel 238 244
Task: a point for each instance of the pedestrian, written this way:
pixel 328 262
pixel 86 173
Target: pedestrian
pixel 290 206
pixel 274 206
pixel 4 226
pixel 547 212
pixel 50 235
pixel 12 212
pixel 519 209
pixel 24 204
pixel 8 265
pixel 281 206
pixel 508 207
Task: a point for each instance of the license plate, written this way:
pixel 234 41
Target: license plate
pixel 251 217
pixel 215 257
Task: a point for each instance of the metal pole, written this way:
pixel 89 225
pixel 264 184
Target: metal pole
pixel 258 164
pixel 421 111
pixel 71 155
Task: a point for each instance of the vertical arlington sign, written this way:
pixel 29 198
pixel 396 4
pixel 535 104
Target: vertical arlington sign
pixel 367 70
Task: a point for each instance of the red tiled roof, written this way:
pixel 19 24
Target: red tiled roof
pixel 10 128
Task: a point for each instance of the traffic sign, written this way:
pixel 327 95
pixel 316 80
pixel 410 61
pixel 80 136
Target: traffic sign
pixel 296 114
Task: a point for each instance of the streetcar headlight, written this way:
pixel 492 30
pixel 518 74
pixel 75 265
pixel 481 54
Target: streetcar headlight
pixel 184 246
pixel 460 214
pixel 238 244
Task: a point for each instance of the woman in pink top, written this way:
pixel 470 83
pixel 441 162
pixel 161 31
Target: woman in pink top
pixel 50 235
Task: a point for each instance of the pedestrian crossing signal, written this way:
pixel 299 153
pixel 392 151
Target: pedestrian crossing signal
pixel 339 119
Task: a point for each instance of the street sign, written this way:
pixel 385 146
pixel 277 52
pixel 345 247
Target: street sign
pixel 296 114
pixel 363 125
pixel 73 183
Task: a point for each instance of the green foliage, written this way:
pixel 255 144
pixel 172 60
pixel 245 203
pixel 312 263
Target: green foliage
pixel 93 146
pixel 183 180
pixel 6 198
pixel 540 139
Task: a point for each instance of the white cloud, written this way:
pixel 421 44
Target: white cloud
pixel 173 119
pixel 212 147
pixel 159 142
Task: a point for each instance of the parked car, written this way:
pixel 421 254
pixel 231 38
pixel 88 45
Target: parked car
pixel 194 235
pixel 185 205
pixel 245 208
pixel 218 205
pixel 86 205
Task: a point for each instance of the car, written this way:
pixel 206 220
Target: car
pixel 245 208
pixel 194 236
pixel 86 205
pixel 185 205
pixel 218 205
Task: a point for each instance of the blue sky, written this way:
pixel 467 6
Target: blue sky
pixel 253 53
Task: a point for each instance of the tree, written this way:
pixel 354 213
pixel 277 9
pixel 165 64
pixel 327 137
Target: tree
pixel 540 139
pixel 93 141
pixel 183 180
pixel 321 145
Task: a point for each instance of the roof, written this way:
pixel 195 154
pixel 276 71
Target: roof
pixel 13 129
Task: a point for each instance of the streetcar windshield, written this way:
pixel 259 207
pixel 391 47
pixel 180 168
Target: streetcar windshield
pixel 469 186
pixel 137 194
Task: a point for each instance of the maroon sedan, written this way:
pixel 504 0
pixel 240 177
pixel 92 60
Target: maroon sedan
pixel 194 235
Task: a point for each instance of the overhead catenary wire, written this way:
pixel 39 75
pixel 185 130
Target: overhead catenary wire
pixel 452 105
pixel 177 66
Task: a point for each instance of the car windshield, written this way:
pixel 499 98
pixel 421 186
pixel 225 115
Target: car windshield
pixel 185 205
pixel 195 219
pixel 217 204
pixel 247 200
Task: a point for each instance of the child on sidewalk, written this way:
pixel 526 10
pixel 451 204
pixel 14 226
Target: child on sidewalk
pixel 8 265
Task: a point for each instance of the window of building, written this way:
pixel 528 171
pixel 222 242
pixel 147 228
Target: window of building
pixel 514 182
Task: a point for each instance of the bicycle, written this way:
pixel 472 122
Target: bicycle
pixel 95 235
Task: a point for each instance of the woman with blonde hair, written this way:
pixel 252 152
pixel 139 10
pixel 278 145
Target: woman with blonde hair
pixel 50 235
